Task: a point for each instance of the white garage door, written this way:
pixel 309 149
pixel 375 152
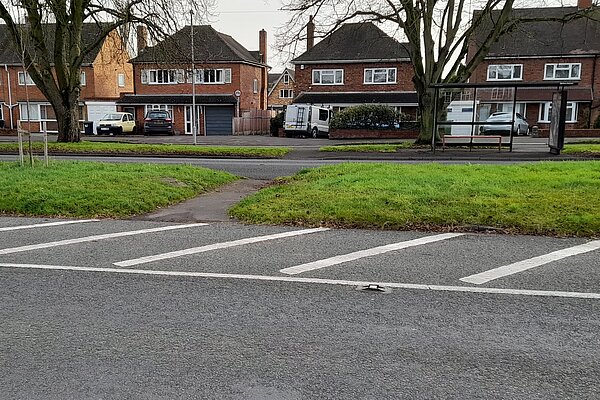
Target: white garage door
pixel 97 109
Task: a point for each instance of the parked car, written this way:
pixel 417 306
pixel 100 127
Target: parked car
pixel 306 120
pixel 116 123
pixel 158 121
pixel 520 126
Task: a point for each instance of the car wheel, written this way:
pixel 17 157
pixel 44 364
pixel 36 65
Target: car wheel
pixel 134 130
pixel 119 131
pixel 315 132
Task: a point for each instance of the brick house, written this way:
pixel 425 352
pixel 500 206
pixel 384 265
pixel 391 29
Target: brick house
pixel 229 79
pixel 550 52
pixel 281 89
pixel 356 64
pixel 105 74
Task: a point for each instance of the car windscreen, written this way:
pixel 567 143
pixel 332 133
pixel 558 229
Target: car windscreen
pixel 158 114
pixel 112 117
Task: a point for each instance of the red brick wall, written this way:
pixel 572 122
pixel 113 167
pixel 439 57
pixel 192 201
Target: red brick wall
pixel 242 76
pixel 371 134
pixel 354 78
pixel 533 69
pixel 574 133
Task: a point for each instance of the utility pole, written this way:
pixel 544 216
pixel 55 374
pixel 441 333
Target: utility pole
pixel 194 133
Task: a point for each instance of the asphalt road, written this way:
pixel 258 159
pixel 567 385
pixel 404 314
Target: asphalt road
pixel 144 310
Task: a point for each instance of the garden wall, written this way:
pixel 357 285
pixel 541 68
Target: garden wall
pixel 373 134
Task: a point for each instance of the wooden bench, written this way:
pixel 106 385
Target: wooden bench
pixel 471 137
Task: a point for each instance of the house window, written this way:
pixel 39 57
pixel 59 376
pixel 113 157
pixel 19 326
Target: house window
pixel 161 76
pixel 286 78
pixel 82 78
pixel 562 71
pixel 209 76
pixel 162 107
pixel 328 77
pixel 508 108
pixel 286 94
pixel 47 112
pixel 25 77
pixel 31 113
pixel 255 86
pixel 546 112
pixel 213 76
pixel 505 72
pixel 380 75
pixel 121 80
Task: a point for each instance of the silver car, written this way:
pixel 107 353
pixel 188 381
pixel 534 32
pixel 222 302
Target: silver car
pixel 520 126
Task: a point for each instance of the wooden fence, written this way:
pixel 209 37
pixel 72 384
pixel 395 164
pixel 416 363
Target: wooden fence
pixel 254 122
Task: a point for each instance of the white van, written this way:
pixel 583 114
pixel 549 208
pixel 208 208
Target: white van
pixel 461 111
pixel 307 120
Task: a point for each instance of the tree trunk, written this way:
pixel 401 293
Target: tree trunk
pixel 426 99
pixel 68 123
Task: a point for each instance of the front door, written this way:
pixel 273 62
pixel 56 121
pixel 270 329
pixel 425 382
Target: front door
pixel 188 120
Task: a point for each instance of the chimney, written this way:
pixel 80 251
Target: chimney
pixel 262 45
pixel 310 33
pixel 142 38
pixel 584 4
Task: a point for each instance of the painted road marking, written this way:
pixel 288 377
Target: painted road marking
pixel 14 228
pixel 215 246
pixel 95 237
pixel 413 286
pixel 520 266
pixel 328 262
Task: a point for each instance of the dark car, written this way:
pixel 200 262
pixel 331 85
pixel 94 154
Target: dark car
pixel 158 121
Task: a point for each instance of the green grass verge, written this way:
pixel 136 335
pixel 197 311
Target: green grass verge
pixel 371 148
pixel 85 189
pixel 583 148
pixel 555 198
pixel 152 149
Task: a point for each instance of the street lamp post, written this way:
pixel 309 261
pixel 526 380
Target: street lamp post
pixel 193 79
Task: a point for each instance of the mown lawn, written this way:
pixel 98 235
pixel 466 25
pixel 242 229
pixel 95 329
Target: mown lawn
pixel 553 198
pixel 371 148
pixel 86 189
pixel 152 149
pixel 591 148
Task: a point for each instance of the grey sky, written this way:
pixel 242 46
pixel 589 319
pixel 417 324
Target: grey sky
pixel 243 19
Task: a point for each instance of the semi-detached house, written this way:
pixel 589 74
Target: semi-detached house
pixel 356 64
pixel 105 75
pixel 550 52
pixel 228 79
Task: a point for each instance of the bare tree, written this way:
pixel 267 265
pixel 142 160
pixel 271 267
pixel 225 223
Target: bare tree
pixel 438 34
pixel 53 38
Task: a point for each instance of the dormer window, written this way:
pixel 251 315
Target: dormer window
pixel 505 72
pixel 562 71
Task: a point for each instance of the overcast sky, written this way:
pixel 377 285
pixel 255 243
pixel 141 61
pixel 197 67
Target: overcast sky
pixel 243 19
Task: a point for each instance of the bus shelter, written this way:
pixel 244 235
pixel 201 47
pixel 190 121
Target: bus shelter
pixel 465 111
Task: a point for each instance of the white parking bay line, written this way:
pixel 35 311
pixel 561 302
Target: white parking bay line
pixel 266 278
pixel 42 225
pixel 215 246
pixel 520 266
pixel 328 262
pixel 95 237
